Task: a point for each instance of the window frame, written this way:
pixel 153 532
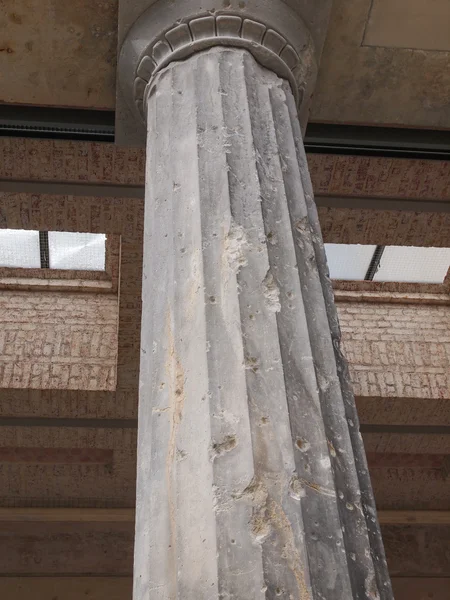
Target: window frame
pixel 24 278
pixel 390 291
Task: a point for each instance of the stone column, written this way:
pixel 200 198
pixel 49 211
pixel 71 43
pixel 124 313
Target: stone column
pixel 252 480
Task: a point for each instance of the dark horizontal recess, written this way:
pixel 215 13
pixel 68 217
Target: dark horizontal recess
pixel 57 123
pixel 98 126
pixel 378 141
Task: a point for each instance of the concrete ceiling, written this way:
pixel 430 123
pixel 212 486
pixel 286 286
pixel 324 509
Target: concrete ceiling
pixel 386 62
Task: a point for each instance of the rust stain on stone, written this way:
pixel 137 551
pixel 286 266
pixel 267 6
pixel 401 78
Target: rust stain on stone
pixel 268 516
pixel 291 554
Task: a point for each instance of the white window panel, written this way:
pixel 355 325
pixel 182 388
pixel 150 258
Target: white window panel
pixel 77 251
pixel 349 261
pixel 415 265
pixel 19 248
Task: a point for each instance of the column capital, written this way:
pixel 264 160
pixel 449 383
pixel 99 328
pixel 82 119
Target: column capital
pixel 276 33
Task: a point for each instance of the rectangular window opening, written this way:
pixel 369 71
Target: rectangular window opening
pixel 402 264
pixel 22 249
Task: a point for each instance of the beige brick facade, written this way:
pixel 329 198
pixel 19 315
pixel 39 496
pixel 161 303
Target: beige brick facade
pixel 58 340
pixel 397 351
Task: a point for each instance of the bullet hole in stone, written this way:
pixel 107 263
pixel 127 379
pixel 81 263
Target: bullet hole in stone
pixel 271 293
pixel 183 250
pixel 178 392
pixel 341 495
pixel 181 455
pixel 229 443
pixel 233 541
pixel 212 299
pixel 278 592
pixel 290 295
pixel 252 364
pixel 302 445
pixel 332 449
pixel 349 506
pixel 252 317
pixel 264 420
pixel 314 536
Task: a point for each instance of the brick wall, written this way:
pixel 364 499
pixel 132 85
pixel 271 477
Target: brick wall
pixel 58 340
pixel 397 350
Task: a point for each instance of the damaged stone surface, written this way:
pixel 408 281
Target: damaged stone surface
pixel 251 482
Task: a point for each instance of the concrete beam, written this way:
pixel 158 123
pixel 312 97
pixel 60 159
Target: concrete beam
pixel 57 188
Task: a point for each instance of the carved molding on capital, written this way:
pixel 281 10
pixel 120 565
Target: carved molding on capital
pixel 268 46
pixel 171 31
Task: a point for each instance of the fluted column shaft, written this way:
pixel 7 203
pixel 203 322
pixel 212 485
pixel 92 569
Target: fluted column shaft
pixel 252 480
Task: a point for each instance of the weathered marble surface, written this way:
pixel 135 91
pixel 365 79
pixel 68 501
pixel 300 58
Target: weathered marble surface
pixel 252 481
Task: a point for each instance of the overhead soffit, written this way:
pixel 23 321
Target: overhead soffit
pixel 425 25
pixel 385 61
pixel 58 53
